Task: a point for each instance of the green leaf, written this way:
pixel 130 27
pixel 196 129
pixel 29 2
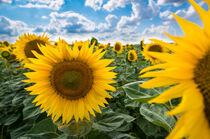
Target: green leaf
pixel 148 128
pixel 111 121
pixel 95 134
pixel 30 110
pixel 43 126
pixel 134 92
pixel 12 118
pixel 45 135
pixel 156 114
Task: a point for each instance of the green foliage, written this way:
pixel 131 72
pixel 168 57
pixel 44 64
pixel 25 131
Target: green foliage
pixel 128 116
pixel 94 40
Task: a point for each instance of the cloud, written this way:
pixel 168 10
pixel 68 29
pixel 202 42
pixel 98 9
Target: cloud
pixel 44 17
pixel 174 2
pixel 113 4
pixel 158 32
pixel 141 11
pixel 5 1
pixel 188 14
pixel 49 4
pixel 95 4
pixel 11 27
pixel 67 22
pixel 110 26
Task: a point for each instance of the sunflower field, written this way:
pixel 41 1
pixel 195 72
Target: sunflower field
pixel 89 90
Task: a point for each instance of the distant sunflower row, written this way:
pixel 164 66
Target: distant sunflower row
pixel 30 42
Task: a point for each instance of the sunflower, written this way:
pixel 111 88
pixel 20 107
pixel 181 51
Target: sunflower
pixel 118 47
pixel 27 43
pixel 126 46
pixel 108 45
pixel 168 46
pixel 187 71
pixel 101 46
pixel 132 56
pixel 70 82
pixel 81 44
pixel 153 47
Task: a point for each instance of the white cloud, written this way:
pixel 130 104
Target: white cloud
pixel 113 4
pixel 111 20
pixel 95 4
pixel 5 1
pixel 158 32
pixel 11 27
pixel 141 11
pixel 188 14
pixel 174 2
pixel 165 14
pixel 44 17
pixel 67 22
pixel 50 4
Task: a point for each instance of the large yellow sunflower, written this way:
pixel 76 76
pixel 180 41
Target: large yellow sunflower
pixel 153 47
pixel 187 71
pixel 70 82
pixel 118 47
pixel 132 56
pixel 27 43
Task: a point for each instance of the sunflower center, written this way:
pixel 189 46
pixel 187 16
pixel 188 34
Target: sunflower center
pixel 131 56
pixel 72 80
pixel 33 45
pixel 117 47
pixel 5 54
pixel 100 47
pixel 80 47
pixel 155 48
pixel 202 79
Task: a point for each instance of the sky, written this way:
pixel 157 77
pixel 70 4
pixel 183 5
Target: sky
pixel 127 21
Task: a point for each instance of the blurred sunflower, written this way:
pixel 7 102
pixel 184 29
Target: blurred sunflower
pixel 132 56
pixel 126 46
pixel 5 52
pixel 168 46
pixel 131 47
pixel 153 47
pixel 80 44
pixel 108 45
pixel 101 46
pixel 187 71
pixel 118 47
pixel 70 82
pixel 27 43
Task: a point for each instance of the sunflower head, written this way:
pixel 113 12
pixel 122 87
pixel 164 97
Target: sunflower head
pixel 108 45
pixel 70 82
pixel 28 43
pixel 153 47
pixel 132 56
pixel 101 46
pixel 5 54
pixel 6 43
pixel 126 46
pixel 118 47
pixel 81 44
pixel 186 71
pixel 131 47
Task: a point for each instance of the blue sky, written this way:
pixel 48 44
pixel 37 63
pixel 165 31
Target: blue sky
pixel 127 21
